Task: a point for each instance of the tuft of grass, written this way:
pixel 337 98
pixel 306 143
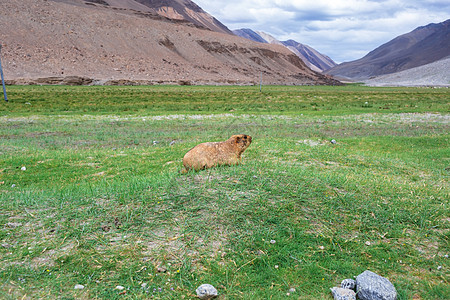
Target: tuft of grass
pixel 101 202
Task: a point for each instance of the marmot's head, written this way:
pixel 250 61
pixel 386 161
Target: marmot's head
pixel 242 141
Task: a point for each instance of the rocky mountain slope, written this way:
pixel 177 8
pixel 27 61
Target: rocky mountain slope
pixel 173 9
pixel 307 53
pixel 51 41
pixel 311 57
pixel 434 74
pixel 249 34
pixel 421 46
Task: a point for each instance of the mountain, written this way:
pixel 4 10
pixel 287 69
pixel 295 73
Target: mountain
pixel 434 74
pixel 311 57
pixel 249 34
pixel 307 53
pixel 173 9
pixel 270 39
pixel 421 46
pixel 79 42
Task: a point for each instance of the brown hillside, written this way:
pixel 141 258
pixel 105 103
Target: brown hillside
pixel 174 9
pixel 62 38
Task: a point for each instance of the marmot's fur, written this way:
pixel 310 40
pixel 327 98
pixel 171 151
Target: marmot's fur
pixel 208 155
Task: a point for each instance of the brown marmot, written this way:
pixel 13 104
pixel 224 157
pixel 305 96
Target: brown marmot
pixel 208 155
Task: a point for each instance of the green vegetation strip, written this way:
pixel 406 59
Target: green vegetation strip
pixel 90 191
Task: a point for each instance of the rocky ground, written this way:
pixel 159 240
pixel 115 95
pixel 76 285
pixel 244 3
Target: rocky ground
pixel 434 74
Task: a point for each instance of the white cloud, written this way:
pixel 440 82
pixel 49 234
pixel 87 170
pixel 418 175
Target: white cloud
pixel 342 29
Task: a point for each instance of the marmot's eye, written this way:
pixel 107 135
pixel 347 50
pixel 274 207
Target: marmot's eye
pixel 245 137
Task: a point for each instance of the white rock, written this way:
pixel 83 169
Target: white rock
pixel 23 168
pixel 343 294
pixel 348 284
pixel 119 287
pixel 371 286
pixel 206 291
pixel 78 287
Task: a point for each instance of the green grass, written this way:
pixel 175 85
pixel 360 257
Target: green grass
pixel 50 100
pixel 101 202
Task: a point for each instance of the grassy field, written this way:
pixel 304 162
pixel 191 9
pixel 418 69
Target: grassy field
pixel 90 191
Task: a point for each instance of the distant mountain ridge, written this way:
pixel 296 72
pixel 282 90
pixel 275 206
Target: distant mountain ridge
pixel 305 52
pixel 422 46
pixel 250 35
pixel 312 58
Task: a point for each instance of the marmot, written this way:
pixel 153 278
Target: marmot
pixel 208 155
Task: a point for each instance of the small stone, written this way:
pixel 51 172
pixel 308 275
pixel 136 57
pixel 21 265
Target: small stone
pixel 144 285
pixel 446 255
pixel 273 241
pixel 23 168
pixel 13 225
pixel 120 288
pixel 13 185
pixel 78 287
pixel 161 270
pixel 367 243
pixel 276 266
pixel 343 294
pixel 172 143
pixel 206 291
pixel 439 268
pixel 333 141
pixel 371 286
pixel 348 284
pixel 292 290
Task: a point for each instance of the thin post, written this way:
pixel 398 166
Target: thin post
pixel 260 84
pixel 1 73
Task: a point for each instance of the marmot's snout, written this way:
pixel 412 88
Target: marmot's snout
pixel 242 140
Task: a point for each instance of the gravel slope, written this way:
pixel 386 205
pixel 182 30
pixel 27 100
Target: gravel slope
pixel 434 74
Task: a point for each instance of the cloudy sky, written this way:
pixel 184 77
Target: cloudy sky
pixel 345 30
